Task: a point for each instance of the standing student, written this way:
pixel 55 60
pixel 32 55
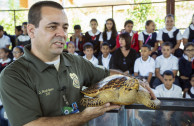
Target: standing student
pixel 93 36
pixel 188 35
pixel 170 34
pixel 109 34
pixel 148 36
pixel 4 59
pixel 124 57
pixel 4 39
pixel 134 35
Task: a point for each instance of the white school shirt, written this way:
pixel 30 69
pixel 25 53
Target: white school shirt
pixel 92 34
pixel 174 92
pixel 93 60
pixel 187 31
pixel 108 36
pixel 144 67
pixel 170 63
pixel 4 41
pixel 106 61
pixel 192 91
pixel 6 61
pixel 170 34
pixel 141 37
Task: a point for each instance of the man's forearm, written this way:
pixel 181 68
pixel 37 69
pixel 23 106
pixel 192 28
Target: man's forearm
pixel 113 71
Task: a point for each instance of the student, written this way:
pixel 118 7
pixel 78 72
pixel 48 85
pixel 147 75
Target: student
pixel 23 39
pixel 4 59
pixel 134 35
pixel 89 53
pixel 148 36
pixel 71 48
pixel 93 36
pixel 188 35
pixel 17 52
pixel 185 66
pixel 4 39
pixel 105 59
pixel 190 92
pixel 145 65
pixel 165 62
pixel 170 34
pixel 124 57
pixel 109 34
pixel 79 39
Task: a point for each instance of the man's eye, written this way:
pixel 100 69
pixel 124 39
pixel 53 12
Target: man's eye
pixel 52 27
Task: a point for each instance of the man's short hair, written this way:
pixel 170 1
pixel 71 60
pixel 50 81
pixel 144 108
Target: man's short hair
pixel 147 46
pixel 167 44
pixel 77 27
pixel 34 15
pixel 1 28
pixel 128 22
pixel 168 73
pixel 88 45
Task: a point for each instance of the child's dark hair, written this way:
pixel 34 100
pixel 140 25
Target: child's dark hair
pixel 148 22
pixel 1 28
pixel 192 76
pixel 154 53
pixel 167 44
pixel 147 46
pixel 70 42
pixel 88 45
pixel 77 27
pixel 105 43
pixel 20 48
pixel 127 38
pixel 168 73
pixel 128 22
pixel 6 50
pixel 94 20
pixel 188 44
pixel 169 15
pixel 19 27
pixel 114 30
pixel 24 23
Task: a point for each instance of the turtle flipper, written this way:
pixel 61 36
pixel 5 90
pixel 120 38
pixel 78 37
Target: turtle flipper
pixel 145 98
pixel 92 102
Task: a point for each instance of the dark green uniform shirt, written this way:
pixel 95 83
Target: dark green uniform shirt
pixel 31 89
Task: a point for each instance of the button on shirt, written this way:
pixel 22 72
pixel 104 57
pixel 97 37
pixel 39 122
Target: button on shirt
pixel 170 63
pixel 170 34
pixel 108 36
pixel 4 41
pixel 144 67
pixel 187 31
pixel 174 92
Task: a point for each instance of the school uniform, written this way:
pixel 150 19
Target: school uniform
pixel 93 60
pixel 5 63
pixel 148 38
pixel 79 44
pixel 106 62
pixel 189 33
pixel 134 40
pixel 190 93
pixel 23 40
pixel 4 41
pixel 109 39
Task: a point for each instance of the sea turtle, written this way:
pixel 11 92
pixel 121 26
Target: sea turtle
pixel 121 90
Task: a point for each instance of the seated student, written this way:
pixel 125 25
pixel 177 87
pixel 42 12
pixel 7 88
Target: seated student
pixel 71 48
pixel 185 66
pixel 145 65
pixel 188 35
pixel 105 59
pixel 124 57
pixel 89 53
pixel 168 89
pixel 134 35
pixel 23 39
pixel 17 52
pixel 4 59
pixel 93 36
pixel 170 34
pixel 166 61
pixel 79 39
pixel 4 39
pixel 148 36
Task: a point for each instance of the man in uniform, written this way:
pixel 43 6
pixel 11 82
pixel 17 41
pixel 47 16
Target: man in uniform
pixel 39 88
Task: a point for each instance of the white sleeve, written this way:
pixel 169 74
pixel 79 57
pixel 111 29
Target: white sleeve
pixel 187 96
pixel 100 38
pixel 159 35
pixel 157 63
pixel 8 41
pixel 186 33
pixel 179 36
pixel 152 66
pixel 140 37
pixel 180 93
pixel 157 92
pixel 175 64
pixel 136 66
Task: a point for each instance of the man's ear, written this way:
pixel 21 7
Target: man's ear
pixel 31 30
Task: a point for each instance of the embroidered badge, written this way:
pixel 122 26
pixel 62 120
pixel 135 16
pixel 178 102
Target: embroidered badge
pixel 75 79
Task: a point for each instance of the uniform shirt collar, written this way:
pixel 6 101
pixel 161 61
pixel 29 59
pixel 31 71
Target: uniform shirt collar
pixel 92 34
pixel 40 65
pixel 145 32
pixel 171 89
pixel 148 60
pixel 170 33
pixel 168 57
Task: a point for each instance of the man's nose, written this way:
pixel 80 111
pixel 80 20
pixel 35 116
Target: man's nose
pixel 61 32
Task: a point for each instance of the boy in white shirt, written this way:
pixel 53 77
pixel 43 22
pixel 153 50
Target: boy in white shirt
pixel 166 61
pixel 71 48
pixel 145 65
pixel 89 53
